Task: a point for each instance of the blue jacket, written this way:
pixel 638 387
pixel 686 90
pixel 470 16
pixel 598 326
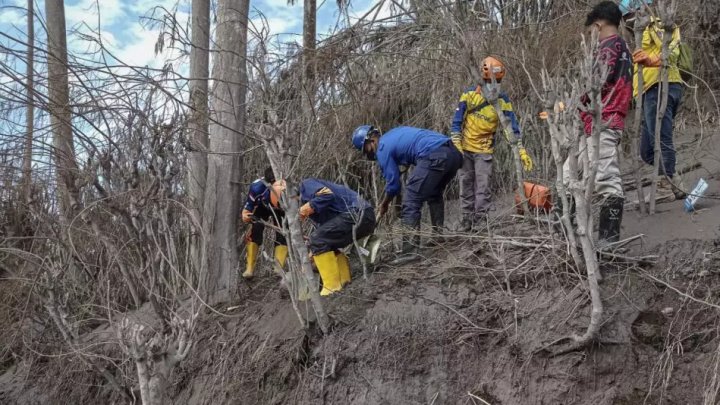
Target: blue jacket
pixel 404 146
pixel 259 194
pixel 328 199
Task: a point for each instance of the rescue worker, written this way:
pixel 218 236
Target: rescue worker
pixel 339 214
pixel 262 205
pixel 616 95
pixel 436 161
pixel 473 133
pixel 648 55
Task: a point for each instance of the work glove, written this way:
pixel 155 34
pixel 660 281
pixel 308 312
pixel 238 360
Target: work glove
pixel 559 107
pixel 526 160
pixel 456 138
pixel 247 216
pixel 306 210
pixel 643 58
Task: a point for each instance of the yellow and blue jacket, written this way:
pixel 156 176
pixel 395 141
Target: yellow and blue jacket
pixel 477 121
pixel 652 44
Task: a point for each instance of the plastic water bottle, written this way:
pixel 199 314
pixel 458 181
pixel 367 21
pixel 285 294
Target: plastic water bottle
pixel 695 195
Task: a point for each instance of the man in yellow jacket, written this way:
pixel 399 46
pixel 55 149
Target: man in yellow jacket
pixel 473 132
pixel 649 55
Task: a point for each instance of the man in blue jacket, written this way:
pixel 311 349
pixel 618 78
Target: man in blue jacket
pixel 436 161
pixel 339 215
pixel 260 205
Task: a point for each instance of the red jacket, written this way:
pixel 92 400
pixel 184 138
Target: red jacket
pixel 617 91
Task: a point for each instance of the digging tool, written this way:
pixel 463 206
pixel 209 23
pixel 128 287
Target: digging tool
pixel 368 247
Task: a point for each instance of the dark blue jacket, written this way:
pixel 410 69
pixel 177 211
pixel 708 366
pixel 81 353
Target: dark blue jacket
pixel 404 146
pixel 259 194
pixel 328 199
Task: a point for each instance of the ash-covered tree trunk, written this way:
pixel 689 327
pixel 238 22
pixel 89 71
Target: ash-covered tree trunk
pixel 59 108
pixel 308 55
pixel 667 16
pixel 156 354
pixel 30 110
pixel 641 22
pixel 222 197
pixel 198 123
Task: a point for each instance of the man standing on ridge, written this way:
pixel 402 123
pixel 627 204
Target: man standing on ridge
pixel 436 161
pixel 616 95
pixel 473 132
pixel 649 55
pixel 262 205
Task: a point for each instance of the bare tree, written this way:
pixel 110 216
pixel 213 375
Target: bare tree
pixel 59 108
pixel 642 20
pixel 308 55
pixel 581 153
pixel 156 354
pixel 667 16
pixel 222 196
pixel 198 122
pixel 30 111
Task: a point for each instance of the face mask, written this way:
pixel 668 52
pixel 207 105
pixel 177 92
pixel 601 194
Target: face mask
pixel 490 90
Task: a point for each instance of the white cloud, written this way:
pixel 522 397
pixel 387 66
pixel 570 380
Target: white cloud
pixel 141 7
pixel 12 16
pixel 86 11
pixel 140 52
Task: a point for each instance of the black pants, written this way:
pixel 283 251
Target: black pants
pixel 338 231
pixel 428 181
pixel 275 216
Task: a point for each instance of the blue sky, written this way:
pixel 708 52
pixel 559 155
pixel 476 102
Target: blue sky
pixel 124 31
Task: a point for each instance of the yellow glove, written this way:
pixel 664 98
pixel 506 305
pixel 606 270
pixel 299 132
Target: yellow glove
pixel 456 139
pixel 526 160
pixel 306 210
pixel 246 216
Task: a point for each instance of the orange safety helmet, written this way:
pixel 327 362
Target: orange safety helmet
pixel 276 191
pixel 492 67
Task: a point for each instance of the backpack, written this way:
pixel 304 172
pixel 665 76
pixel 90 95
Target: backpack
pixel 685 62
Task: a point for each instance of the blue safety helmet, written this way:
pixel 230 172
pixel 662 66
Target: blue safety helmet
pixel 361 135
pixel 631 6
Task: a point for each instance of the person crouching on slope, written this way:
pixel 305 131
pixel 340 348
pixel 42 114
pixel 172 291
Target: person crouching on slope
pixel 473 132
pixel 339 214
pixel 262 205
pixel 436 161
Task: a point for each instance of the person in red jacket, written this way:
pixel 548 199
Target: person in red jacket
pixel 616 94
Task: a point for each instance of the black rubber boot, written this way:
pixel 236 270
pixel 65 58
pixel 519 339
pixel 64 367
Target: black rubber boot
pixel 573 211
pixel 410 245
pixel 437 219
pixel 437 216
pixel 610 219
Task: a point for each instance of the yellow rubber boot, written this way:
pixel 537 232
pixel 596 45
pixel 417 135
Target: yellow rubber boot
pixel 344 267
pixel 329 274
pixel 250 259
pixel 281 254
